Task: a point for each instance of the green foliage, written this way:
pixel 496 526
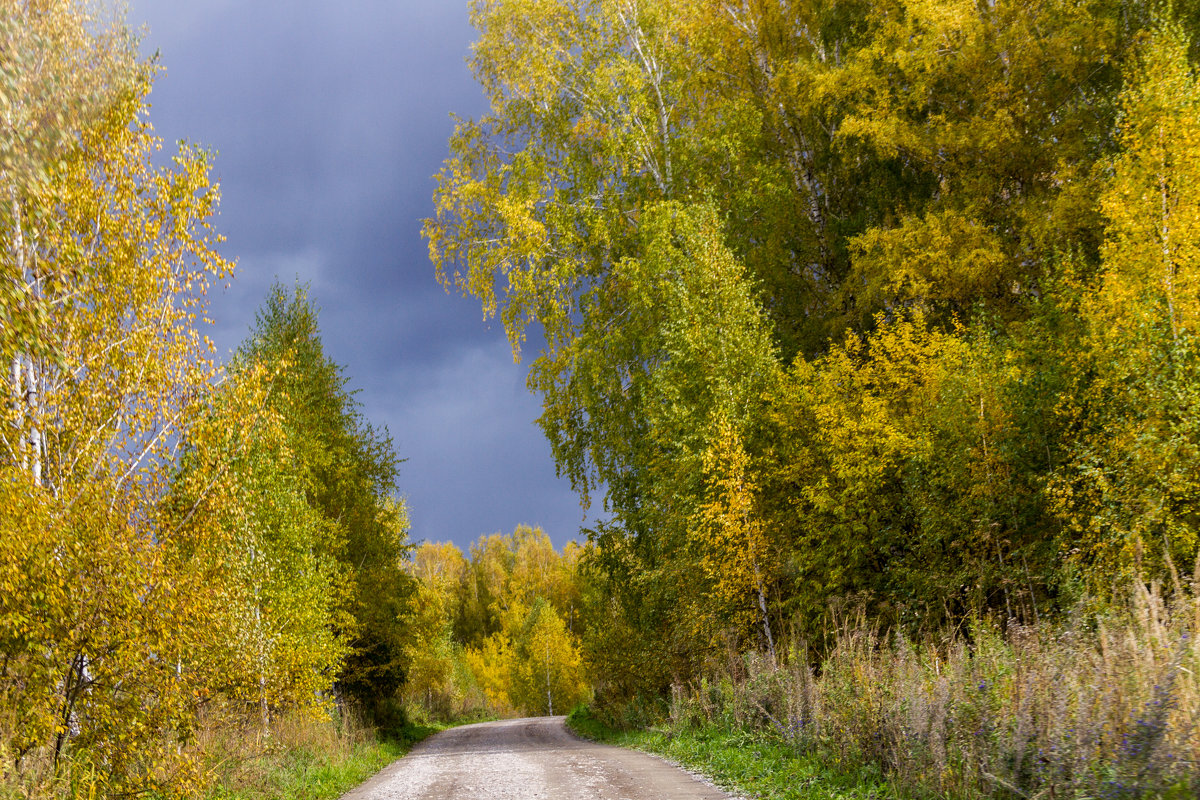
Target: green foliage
pixel 917 501
pixel 874 305
pixel 276 648
pixel 1005 112
pixel 545 664
pixel 347 472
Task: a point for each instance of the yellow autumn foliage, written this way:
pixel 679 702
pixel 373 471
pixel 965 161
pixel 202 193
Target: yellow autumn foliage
pixel 108 259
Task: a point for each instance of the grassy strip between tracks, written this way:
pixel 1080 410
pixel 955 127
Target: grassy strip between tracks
pixel 752 765
pixel 310 759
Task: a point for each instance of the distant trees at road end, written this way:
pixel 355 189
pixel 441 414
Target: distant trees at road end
pixel 500 629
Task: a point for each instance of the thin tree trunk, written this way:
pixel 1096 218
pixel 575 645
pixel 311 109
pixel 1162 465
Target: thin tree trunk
pixel 35 433
pixel 16 378
pixel 549 697
pixel 766 620
pixel 75 678
pixel 654 74
pixel 1165 236
pixel 797 149
pixel 263 707
pixel 26 395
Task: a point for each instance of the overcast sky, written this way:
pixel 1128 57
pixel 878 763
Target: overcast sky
pixel 329 120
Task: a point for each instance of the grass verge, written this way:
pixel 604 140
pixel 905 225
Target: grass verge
pixel 748 763
pixel 313 760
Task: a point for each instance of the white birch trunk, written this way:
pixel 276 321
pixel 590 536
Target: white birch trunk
pixel 766 620
pixel 35 432
pixel 549 697
pixel 17 383
pixel 25 391
pixel 766 617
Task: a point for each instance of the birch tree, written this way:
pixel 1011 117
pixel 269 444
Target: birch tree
pixel 61 69
pixel 106 258
pixel 1129 494
pixel 546 667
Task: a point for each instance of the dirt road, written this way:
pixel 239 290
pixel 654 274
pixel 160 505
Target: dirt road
pixel 528 758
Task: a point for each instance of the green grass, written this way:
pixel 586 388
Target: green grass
pixel 751 764
pixel 314 763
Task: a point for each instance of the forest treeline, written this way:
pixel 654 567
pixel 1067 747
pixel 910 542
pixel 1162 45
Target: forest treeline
pixel 884 306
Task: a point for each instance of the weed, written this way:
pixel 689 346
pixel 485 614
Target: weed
pixel 1091 706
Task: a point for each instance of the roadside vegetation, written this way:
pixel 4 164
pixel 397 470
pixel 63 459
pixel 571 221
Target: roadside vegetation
pixel 1100 706
pixel 313 759
pixel 747 763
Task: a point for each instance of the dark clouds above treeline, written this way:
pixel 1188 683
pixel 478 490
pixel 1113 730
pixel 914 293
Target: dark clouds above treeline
pixel 329 120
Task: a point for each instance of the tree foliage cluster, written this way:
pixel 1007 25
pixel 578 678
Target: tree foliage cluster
pixel 185 545
pixel 880 303
pixel 498 632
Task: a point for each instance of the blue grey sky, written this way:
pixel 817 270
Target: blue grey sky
pixel 329 120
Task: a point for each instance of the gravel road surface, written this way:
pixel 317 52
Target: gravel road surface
pixel 527 759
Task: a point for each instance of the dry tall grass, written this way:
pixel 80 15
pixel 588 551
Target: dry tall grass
pixel 229 759
pixel 249 761
pixel 1100 706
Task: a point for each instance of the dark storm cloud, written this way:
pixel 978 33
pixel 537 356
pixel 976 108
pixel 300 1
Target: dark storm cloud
pixel 474 422
pixel 329 120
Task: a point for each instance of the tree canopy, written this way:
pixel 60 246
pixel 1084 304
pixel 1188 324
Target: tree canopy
pixel 882 305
